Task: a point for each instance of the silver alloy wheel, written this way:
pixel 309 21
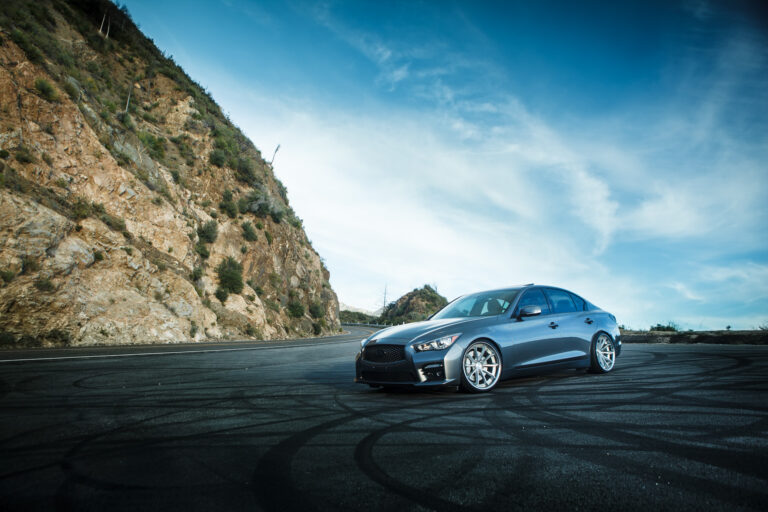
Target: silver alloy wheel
pixel 605 353
pixel 481 365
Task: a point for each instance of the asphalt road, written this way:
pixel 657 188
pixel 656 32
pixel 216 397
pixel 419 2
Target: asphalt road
pixel 281 426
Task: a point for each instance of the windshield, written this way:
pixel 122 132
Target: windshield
pixel 479 304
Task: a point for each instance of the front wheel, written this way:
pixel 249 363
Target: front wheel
pixel 603 355
pixel 480 367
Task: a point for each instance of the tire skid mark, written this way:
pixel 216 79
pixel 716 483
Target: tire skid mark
pixel 611 432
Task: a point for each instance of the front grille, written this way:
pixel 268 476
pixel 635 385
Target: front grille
pixel 388 376
pixel 384 353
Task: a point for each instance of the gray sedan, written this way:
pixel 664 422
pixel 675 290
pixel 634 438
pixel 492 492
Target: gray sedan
pixel 480 339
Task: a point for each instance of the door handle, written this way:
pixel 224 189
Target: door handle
pixel 588 321
pixel 553 325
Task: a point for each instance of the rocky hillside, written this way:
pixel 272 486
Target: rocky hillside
pixel 414 306
pixel 131 209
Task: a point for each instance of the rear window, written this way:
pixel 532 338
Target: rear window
pixel 560 300
pixel 580 303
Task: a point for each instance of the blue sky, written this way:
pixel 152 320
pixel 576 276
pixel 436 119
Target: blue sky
pixel 616 149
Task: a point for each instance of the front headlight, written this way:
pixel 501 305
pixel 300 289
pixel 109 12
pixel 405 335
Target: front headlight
pixel 438 344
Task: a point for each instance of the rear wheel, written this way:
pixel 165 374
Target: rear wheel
pixel 480 367
pixel 603 355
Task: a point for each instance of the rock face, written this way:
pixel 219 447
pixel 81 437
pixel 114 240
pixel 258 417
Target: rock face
pixel 113 220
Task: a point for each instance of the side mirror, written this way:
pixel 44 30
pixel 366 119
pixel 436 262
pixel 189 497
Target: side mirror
pixel 529 311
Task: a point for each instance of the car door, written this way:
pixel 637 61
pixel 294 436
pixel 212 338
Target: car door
pixel 529 335
pixel 568 325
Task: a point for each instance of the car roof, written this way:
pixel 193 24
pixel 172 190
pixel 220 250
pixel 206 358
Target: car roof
pixel 506 288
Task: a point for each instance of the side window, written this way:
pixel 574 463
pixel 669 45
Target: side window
pixel 534 297
pixel 561 301
pixel 579 302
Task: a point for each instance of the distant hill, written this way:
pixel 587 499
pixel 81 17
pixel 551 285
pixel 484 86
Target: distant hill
pixel 414 306
pixel 356 317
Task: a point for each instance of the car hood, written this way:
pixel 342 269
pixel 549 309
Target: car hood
pixel 403 334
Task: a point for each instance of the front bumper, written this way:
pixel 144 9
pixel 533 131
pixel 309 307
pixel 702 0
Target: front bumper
pixel 433 368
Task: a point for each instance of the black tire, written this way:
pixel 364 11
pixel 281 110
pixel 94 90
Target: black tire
pixel 480 367
pixel 602 353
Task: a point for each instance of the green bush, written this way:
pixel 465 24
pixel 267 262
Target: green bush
pixel 71 90
pixel 196 274
pixel 4 154
pixel 81 208
pixel 98 256
pixel 277 214
pixel 245 170
pixel 155 145
pixel 316 329
pixel 44 285
pixel 221 294
pixel 250 331
pixel 669 327
pixel 295 309
pixel 29 264
pixel 317 310
pixel 249 233
pixel 7 275
pixel 192 329
pixel 202 250
pixel 242 205
pixel 268 236
pixel 46 90
pixel 294 221
pixel 126 119
pixel 23 155
pixel 33 54
pixel 175 175
pixel 229 207
pixel 230 273
pixel 217 158
pixel 208 231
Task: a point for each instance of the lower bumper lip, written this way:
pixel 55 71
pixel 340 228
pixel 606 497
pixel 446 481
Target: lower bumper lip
pixel 423 372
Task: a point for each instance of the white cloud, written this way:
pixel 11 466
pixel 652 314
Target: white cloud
pixel 685 291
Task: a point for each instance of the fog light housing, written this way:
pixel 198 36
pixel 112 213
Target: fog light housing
pixel 434 371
